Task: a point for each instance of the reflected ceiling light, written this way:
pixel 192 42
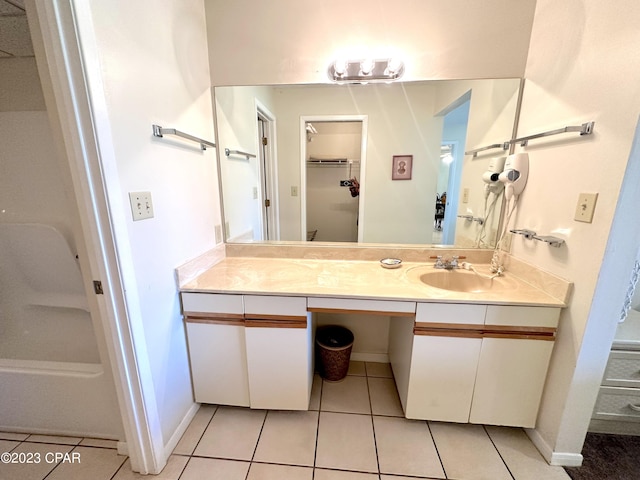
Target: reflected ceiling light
pixel 367 70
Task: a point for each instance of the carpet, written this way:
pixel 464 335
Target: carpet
pixel 608 457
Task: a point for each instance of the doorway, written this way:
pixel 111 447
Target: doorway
pixel 332 169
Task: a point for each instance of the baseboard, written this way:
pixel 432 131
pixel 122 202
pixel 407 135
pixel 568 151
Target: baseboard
pixel 123 448
pixel 179 431
pixel 558 459
pixel 370 357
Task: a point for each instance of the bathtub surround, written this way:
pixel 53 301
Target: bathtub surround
pixel 48 341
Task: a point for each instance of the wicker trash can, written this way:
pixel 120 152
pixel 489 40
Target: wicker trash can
pixel 334 345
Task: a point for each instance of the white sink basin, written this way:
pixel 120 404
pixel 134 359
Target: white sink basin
pixel 459 280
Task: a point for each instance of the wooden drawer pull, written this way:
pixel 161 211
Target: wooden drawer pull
pixel 634 407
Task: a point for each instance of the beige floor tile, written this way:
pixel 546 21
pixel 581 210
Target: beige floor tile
pixel 232 433
pixel 522 457
pixel 384 397
pixel 213 469
pixel 172 471
pixel 262 471
pixel 93 463
pixel 357 368
pixel 375 369
pixel 405 447
pixel 7 445
pixel 316 390
pixel 288 438
pixel 351 395
pixel 467 452
pixel 18 437
pixel 33 471
pixel 54 439
pixel 346 442
pixel 192 435
pixel 322 474
pixel 98 442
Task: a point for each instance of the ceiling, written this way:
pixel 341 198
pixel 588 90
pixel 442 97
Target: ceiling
pixel 15 40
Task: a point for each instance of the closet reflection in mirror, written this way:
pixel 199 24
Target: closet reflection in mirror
pixel 278 195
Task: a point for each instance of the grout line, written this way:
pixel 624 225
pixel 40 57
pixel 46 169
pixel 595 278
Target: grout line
pixel 315 451
pixel 484 427
pixel 373 428
pixel 204 430
pixel 436 447
pixel 255 449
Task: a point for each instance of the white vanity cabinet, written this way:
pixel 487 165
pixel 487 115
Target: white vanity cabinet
pixel 215 327
pixel 250 350
pixel 473 363
pixel 279 338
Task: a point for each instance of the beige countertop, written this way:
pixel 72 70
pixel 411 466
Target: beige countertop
pixel 355 279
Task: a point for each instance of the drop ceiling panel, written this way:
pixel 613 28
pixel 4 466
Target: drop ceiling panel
pixel 14 36
pixel 12 8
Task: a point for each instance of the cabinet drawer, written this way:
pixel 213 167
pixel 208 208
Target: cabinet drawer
pixel 347 305
pixel 623 370
pixel 212 303
pixel 522 316
pixel 617 403
pixel 450 313
pixel 261 306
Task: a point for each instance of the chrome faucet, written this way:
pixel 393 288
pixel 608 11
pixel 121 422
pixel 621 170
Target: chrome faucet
pixel 447 262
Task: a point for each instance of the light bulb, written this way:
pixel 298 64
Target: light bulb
pixel 394 65
pixel 366 66
pixel 340 66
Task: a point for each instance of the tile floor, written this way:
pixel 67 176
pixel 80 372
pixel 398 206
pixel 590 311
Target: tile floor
pixel 354 430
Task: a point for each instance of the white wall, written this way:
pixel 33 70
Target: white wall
pixel 146 64
pixel 294 41
pixel 583 64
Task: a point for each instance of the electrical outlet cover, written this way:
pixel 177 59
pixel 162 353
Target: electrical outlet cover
pixel 141 205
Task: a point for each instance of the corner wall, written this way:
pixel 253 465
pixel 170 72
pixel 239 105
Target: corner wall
pixel 583 64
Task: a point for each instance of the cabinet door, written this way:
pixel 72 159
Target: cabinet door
pixel 446 346
pixel 279 352
pixel 510 380
pixel 443 372
pixel 217 353
pixel 218 362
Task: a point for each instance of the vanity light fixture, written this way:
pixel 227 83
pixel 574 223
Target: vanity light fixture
pixel 366 70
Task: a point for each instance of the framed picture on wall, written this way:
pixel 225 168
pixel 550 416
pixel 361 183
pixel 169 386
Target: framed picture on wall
pixel 402 166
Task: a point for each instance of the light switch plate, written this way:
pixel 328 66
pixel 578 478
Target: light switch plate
pixel 465 195
pixel 585 207
pixel 141 205
pixel 294 191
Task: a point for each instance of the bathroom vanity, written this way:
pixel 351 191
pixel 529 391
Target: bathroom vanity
pixel 458 356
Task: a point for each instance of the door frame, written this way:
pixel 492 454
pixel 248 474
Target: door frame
pixel 55 34
pixel 268 173
pixel 303 166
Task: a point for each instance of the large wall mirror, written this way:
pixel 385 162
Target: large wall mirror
pixel 376 163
